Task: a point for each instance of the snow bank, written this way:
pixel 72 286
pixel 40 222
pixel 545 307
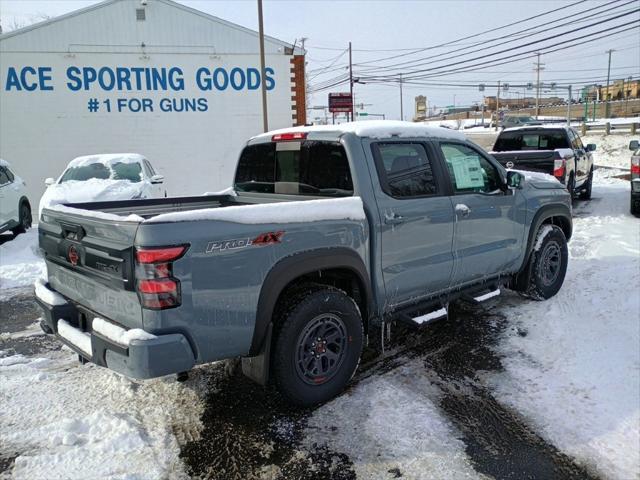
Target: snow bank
pixel 392 421
pixel 347 208
pixel 576 374
pixel 612 150
pixel 79 422
pixel 118 334
pixel 20 261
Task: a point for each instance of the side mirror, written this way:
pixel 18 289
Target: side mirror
pixel 49 181
pixel 591 147
pixel 157 179
pixel 514 179
pixel 634 145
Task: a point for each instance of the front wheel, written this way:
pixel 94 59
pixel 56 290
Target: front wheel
pixel 547 264
pixel 571 186
pixel 24 219
pixel 585 194
pixel 317 347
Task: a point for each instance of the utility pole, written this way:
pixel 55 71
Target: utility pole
pixel 538 68
pixel 497 107
pixel 351 82
pixel 401 107
pixel 608 94
pixel 569 108
pixel 263 73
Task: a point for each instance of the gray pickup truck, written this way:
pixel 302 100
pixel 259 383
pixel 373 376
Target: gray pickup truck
pixel 328 234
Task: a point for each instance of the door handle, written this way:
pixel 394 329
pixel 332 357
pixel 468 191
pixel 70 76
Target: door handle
pixel 393 218
pixel 462 210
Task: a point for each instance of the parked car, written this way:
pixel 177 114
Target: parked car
pixel 332 232
pixel 511 121
pixel 634 145
pixel 557 151
pixel 15 209
pixel 103 177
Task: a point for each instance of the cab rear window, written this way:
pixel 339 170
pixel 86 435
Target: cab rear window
pixel 308 167
pixel 531 140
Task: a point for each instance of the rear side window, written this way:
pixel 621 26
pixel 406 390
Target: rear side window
pixel 310 168
pixel 531 140
pixel 405 169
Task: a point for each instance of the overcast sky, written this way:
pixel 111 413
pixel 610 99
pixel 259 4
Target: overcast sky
pixel 374 26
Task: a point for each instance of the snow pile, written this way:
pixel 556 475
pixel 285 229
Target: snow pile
pixel 576 374
pixel 46 295
pixel 92 190
pixel 374 129
pixel 77 422
pixel 20 261
pixel 612 150
pixel 118 334
pixel 391 422
pixel 347 208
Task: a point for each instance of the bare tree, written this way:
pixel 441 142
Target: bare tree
pixel 18 23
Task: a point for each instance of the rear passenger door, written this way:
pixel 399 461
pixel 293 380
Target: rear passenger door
pixel 488 234
pixel 417 221
pixel 582 161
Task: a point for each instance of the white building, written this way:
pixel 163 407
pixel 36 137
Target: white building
pixel 154 77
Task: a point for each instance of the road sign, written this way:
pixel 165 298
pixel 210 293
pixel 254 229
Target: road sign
pixel 529 86
pixel 363 114
pixel 505 87
pixel 340 102
pixel 481 87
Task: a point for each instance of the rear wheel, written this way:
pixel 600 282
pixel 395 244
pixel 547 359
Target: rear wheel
pixel 635 206
pixel 24 219
pixel 317 346
pixel 571 186
pixel 547 264
pixel 585 194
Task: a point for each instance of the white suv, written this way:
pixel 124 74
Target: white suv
pixel 15 209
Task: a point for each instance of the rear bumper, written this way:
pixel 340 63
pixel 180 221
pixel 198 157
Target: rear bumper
pixel 139 358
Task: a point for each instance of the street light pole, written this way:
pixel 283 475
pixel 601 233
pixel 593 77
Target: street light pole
pixel 263 73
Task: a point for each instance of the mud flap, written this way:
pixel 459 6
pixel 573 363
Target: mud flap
pixel 257 368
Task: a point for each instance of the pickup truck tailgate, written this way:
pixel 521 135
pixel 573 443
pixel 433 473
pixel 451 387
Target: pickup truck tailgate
pixel 91 262
pixel 533 161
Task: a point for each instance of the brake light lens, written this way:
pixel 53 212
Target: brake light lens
pixel 154 255
pixel 559 168
pixel 635 165
pixel 157 288
pixel 288 136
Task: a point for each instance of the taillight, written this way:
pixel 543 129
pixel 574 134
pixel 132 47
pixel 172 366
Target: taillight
pixel 157 288
pixel 288 136
pixel 635 165
pixel 559 167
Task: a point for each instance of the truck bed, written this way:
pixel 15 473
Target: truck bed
pixel 531 160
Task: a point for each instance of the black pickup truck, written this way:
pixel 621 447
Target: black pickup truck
pixel 555 150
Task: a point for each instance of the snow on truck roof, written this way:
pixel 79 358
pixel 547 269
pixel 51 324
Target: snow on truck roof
pixel 370 128
pixel 106 159
pixel 550 126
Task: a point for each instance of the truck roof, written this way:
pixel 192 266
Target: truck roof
pixel 537 127
pixel 368 128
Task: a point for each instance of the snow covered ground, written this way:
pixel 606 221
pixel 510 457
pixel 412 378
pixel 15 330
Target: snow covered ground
pixel 576 374
pixel 612 150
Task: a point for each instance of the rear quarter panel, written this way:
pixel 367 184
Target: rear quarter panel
pixel 221 287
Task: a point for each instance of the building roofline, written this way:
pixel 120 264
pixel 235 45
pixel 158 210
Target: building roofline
pixel 170 3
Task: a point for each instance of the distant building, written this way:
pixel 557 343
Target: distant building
pixel 523 102
pixel 421 108
pixel 620 89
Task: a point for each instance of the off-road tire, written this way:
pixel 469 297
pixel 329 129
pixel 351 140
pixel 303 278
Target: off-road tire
pixel 571 186
pixel 585 194
pixel 545 281
pixel 635 207
pixel 24 219
pixel 311 306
